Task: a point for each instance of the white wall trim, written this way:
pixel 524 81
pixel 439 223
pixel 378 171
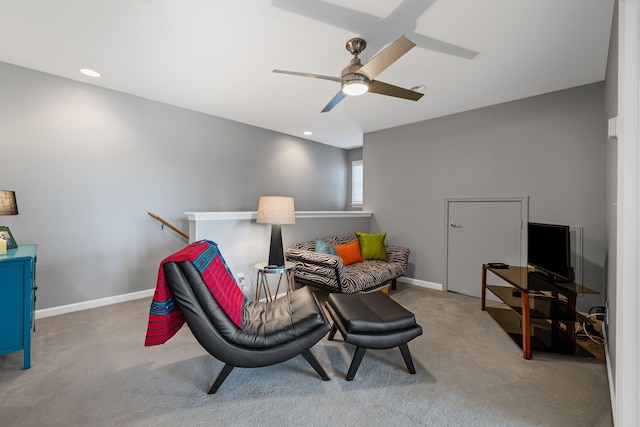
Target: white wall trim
pixel 607 358
pixel 85 305
pixel 421 283
pixel 627 353
pixel 251 215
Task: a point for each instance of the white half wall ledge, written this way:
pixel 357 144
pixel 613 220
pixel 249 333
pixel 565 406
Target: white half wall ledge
pixel 252 215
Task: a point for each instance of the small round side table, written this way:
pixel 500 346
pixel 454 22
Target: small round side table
pixel 262 284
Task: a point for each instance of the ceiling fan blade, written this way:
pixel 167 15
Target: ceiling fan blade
pixel 386 57
pixel 339 97
pixel 391 90
pixel 315 76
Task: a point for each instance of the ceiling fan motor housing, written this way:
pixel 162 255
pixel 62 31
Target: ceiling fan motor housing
pixel 352 68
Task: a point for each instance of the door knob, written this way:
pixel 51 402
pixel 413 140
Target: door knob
pixel 454 225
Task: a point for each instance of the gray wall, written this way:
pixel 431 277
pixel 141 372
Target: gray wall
pixel 88 163
pixel 549 147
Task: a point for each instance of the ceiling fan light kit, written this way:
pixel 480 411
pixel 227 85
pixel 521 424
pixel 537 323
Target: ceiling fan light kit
pixel 357 79
pixel 356 85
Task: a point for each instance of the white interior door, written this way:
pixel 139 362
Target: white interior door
pixel 480 231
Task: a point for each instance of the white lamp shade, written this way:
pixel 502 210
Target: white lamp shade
pixel 276 210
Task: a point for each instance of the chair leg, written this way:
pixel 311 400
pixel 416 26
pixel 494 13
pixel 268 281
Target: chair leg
pixel 332 334
pixel 404 349
pixel 226 370
pixel 355 362
pixel 393 285
pixel 309 357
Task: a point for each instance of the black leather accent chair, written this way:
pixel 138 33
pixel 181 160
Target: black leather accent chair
pixel 272 332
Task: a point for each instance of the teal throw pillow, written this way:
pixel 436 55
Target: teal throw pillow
pixel 372 245
pixel 325 248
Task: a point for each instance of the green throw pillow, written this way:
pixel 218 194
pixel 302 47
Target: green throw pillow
pixel 372 245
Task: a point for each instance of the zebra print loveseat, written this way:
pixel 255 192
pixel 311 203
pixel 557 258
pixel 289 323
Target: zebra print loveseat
pixel 329 272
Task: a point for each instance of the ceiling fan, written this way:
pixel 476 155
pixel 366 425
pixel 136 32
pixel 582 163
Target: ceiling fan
pixel 357 78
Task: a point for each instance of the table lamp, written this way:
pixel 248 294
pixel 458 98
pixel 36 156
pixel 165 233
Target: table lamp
pixel 276 211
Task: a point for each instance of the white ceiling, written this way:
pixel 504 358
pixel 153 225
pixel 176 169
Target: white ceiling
pixel 217 56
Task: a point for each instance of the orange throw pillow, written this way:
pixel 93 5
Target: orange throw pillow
pixel 350 253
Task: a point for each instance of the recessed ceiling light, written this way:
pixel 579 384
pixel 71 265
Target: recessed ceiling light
pixel 89 72
pixel 419 88
pixel 308 132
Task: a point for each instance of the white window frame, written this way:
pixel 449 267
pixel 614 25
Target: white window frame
pixel 357 183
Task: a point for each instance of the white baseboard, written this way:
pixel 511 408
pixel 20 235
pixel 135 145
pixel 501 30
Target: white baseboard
pixel 612 391
pixel 421 283
pixel 85 305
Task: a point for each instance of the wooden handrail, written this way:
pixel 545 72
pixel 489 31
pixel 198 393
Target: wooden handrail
pixel 151 214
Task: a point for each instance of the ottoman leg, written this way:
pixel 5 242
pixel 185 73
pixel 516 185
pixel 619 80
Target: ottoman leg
pixel 355 363
pixel 404 349
pixel 332 334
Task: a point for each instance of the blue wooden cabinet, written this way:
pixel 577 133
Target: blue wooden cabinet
pixel 17 300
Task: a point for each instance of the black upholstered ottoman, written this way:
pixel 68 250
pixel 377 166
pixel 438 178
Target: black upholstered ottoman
pixel 372 320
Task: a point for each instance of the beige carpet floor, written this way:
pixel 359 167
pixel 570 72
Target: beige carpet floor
pixel 90 368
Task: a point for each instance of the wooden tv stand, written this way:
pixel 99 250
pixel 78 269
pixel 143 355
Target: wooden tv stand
pixel 538 313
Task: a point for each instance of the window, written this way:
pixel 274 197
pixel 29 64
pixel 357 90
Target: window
pixel 357 183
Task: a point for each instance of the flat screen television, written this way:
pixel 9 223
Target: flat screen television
pixel 549 250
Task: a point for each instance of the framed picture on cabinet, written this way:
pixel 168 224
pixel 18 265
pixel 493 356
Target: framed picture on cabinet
pixel 5 234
